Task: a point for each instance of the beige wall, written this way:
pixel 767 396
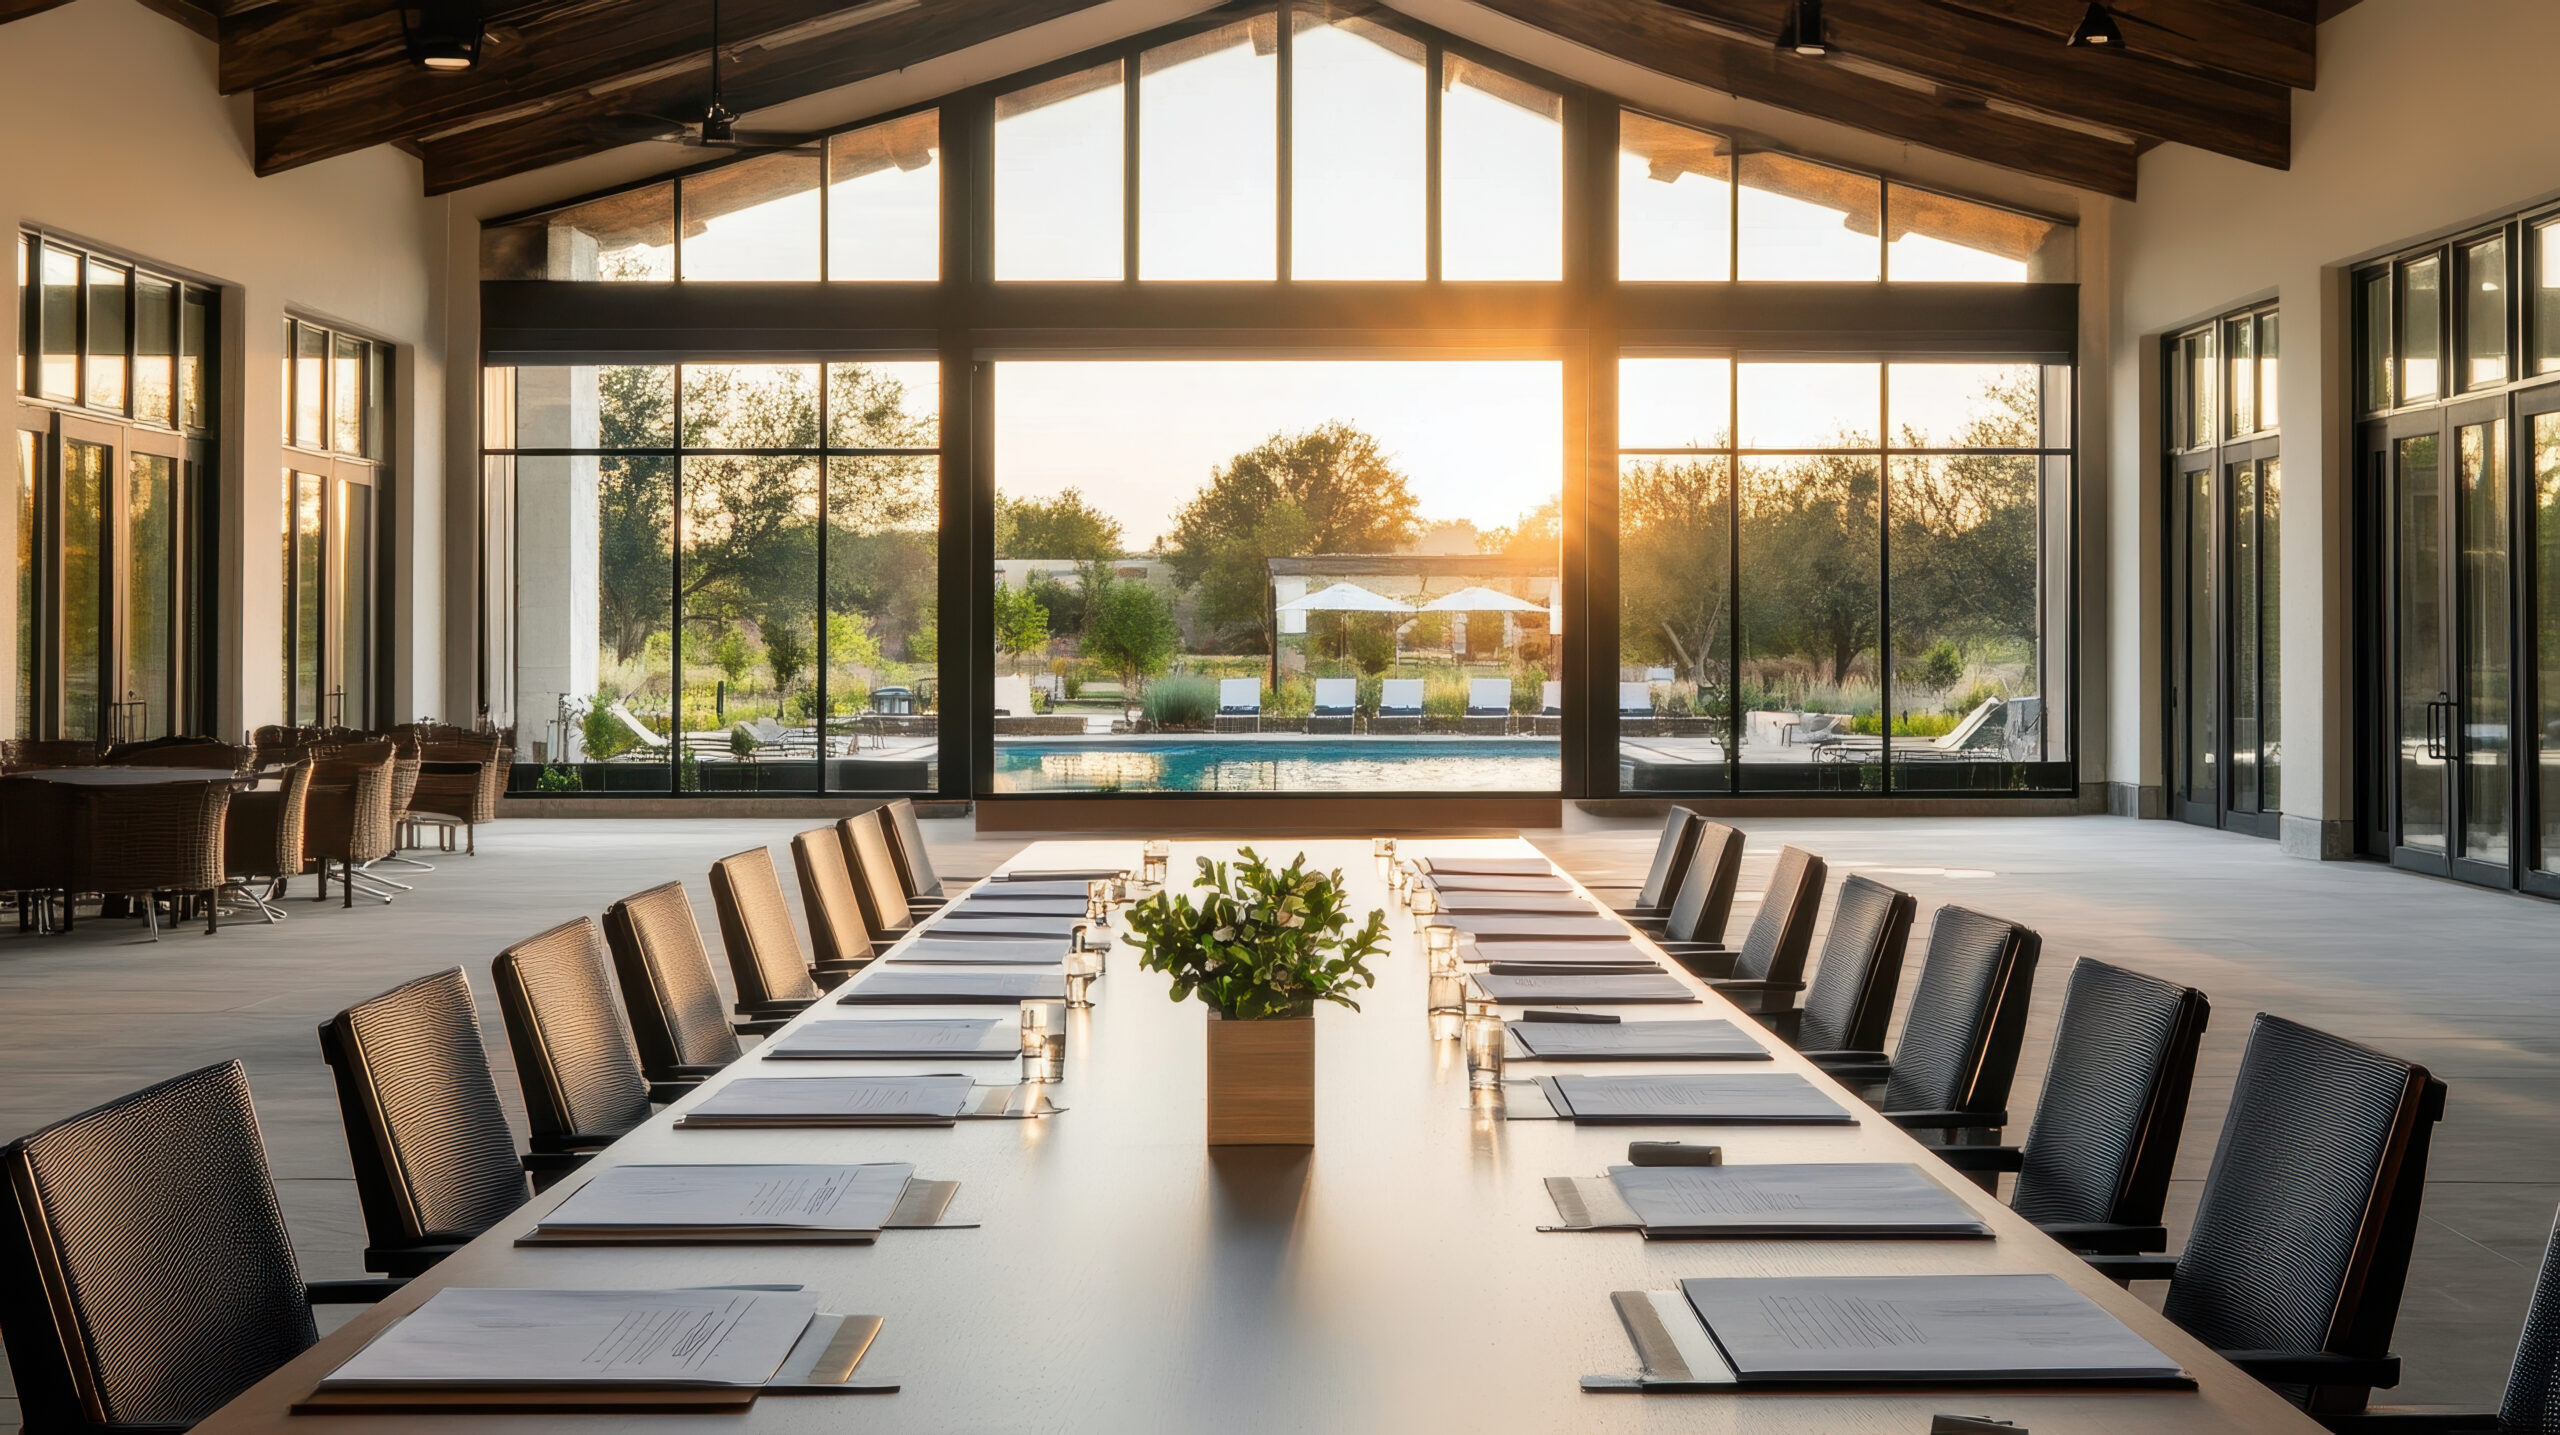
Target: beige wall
pixel 119 138
pixel 2429 117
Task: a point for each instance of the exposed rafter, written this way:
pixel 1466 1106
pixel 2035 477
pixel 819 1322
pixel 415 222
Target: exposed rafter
pixel 2224 37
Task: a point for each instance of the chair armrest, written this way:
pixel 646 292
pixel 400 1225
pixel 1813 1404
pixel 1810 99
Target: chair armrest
pixel 2102 1237
pixel 691 1074
pixel 2124 1270
pixel 1753 984
pixel 2316 1367
pixel 1948 1120
pixel 1785 1025
pixel 1710 965
pixel 548 1161
pixel 581 1144
pixel 1852 1067
pixel 764 1009
pixel 1993 1159
pixel 2411 1420
pixel 760 1025
pixel 350 1292
pixel 664 1092
pixel 828 978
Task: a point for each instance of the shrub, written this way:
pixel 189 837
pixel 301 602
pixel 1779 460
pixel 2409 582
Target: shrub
pixel 1529 691
pixel 1444 695
pixel 1294 698
pixel 601 733
pixel 1939 667
pixel 558 777
pixel 1183 700
pixel 742 743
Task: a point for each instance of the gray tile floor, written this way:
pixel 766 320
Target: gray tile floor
pixel 2465 981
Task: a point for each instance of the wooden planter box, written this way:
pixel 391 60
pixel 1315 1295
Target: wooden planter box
pixel 1262 1082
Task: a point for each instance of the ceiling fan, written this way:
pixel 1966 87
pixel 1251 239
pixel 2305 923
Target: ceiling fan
pixel 716 126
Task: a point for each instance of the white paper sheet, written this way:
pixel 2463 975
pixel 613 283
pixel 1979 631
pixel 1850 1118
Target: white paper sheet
pixel 817 1198
pixel 896 1037
pixel 476 1338
pixel 825 1098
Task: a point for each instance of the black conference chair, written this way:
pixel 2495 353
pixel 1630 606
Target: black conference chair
pixel 1951 1068
pixel 1766 973
pixel 1702 900
pixel 1672 850
pixel 915 864
pixel 766 963
pixel 583 1086
pixel 2299 1250
pixel 839 942
pixel 435 1163
pixel 1850 1001
pixel 2094 1170
pixel 885 909
pixel 150 1278
pixel 2531 1403
pixel 667 987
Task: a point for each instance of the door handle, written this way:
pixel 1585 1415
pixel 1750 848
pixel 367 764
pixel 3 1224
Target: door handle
pixel 2435 742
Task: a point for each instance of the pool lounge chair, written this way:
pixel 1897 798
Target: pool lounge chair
pixel 650 741
pixel 1549 718
pixel 1489 706
pixel 1337 705
pixel 1239 704
pixel 1977 738
pixel 1635 707
pixel 1399 706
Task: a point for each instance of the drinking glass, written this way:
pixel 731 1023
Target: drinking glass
pixel 1441 945
pixel 1485 1048
pixel 1153 862
pixel 1384 849
pixel 1079 988
pixel 1424 904
pixel 1097 901
pixel 1035 1041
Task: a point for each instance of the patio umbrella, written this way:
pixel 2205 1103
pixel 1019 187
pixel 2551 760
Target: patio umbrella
pixel 1481 600
pixel 1346 599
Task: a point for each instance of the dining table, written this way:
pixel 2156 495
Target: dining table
pixel 1115 1273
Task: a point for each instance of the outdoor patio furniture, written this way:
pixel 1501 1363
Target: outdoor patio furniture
pixel 1399 706
pixel 2022 730
pixel 1548 720
pixel 1635 707
pixel 19 754
pixel 262 839
pixel 1337 705
pixel 460 785
pixel 1239 704
pixel 1966 741
pixel 1489 706
pixel 348 818
pixel 1013 695
pixel 178 752
pixel 147 838
pixel 633 725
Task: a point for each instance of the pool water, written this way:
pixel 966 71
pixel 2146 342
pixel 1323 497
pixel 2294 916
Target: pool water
pixel 1280 764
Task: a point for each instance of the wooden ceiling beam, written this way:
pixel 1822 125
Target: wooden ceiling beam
pixel 21 9
pixel 1658 38
pixel 2225 38
pixel 2125 91
pixel 269 44
pixel 569 126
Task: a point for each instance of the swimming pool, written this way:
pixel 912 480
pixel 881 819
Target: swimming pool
pixel 1246 763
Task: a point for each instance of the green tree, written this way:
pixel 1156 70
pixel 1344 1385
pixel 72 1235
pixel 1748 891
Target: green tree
pixel 1022 625
pixel 786 646
pixel 1062 527
pixel 1811 585
pixel 1330 489
pixel 1674 561
pixel 1130 630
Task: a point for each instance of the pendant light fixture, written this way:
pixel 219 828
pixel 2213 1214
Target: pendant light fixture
pixel 441 35
pixel 2097 30
pixel 1803 33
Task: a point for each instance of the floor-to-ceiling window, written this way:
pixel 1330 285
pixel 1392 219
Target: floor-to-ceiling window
pixel 331 483
pixel 111 499
pixel 1275 392
pixel 2458 481
pixel 2225 519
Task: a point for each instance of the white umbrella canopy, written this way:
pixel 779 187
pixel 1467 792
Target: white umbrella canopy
pixel 1481 600
pixel 1344 598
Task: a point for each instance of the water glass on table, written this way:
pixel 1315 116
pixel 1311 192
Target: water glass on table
pixel 1487 1045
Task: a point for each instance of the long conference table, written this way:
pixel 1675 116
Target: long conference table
pixel 1124 1277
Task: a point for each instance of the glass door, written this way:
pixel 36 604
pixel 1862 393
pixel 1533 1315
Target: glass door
pixel 328 556
pixel 2480 729
pixel 2195 683
pixel 2226 736
pixel 2421 676
pixel 2537 556
pixel 151 562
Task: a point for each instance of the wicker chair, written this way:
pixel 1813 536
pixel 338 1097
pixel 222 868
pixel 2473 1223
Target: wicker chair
pixel 348 817
pixel 25 754
pixel 407 766
pixel 1702 899
pixel 151 1278
pixel 36 848
pixel 157 837
pixel 766 962
pixel 262 839
pixel 1950 1071
pixel 915 863
pixel 1671 853
pixel 2094 1170
pixel 581 1075
pixel 1766 972
pixel 867 852
pixel 667 987
pixel 435 1163
pixel 839 940
pixel 179 752
pixel 467 774
pixel 1850 1000
pixel 2299 1249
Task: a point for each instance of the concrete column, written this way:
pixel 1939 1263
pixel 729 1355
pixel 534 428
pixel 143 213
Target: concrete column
pixel 2316 586
pixel 557 617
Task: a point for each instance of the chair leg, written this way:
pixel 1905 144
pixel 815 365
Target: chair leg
pixel 347 882
pixel 212 911
pixel 151 913
pixel 471 835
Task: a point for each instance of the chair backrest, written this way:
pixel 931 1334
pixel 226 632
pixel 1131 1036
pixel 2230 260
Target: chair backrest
pixel 149 1273
pixel 677 1016
pixel 1703 901
pixel 433 1157
pixel 1239 695
pixel 1012 695
pixel 157 836
pixel 1400 697
pixel 765 959
pixel 262 832
pixel 2301 1238
pixel 1781 934
pixel 2532 1401
pixel 1850 1000
pixel 837 934
pixel 580 1073
pixel 178 752
pixel 1550 698
pixel 1489 695
pixel 1966 733
pixel 1959 1043
pixel 2115 1099
pixel 26 754
pixel 1337 695
pixel 1671 853
pixel 915 860
pixel 875 873
pixel 1635 699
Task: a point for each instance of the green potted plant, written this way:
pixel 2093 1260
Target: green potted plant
pixel 1260 949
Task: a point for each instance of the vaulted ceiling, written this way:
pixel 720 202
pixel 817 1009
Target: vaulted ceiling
pixel 1990 80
